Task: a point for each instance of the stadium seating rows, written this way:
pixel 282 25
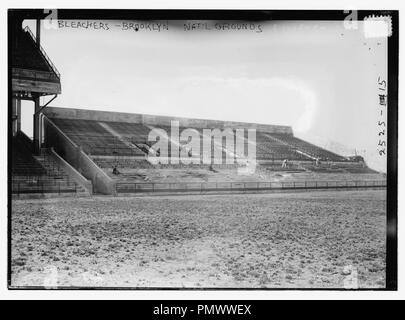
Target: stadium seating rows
pixel 24 164
pixel 314 151
pixel 267 148
pixel 135 132
pixel 131 139
pixel 108 163
pixel 38 174
pixel 94 139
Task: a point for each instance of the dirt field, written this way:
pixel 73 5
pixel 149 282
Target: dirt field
pixel 317 239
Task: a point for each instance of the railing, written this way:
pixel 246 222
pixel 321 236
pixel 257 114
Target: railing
pixel 43 187
pixel 28 30
pixel 50 164
pixel 139 187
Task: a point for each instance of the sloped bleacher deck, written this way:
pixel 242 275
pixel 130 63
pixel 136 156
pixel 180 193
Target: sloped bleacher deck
pixel 312 150
pixel 94 139
pixel 38 174
pixel 125 146
pixel 131 139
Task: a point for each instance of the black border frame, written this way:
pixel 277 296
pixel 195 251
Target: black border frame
pixel 249 15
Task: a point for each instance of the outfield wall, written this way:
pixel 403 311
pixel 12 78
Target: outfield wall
pixel 135 188
pixel 68 113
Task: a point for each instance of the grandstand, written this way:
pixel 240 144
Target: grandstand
pixel 35 171
pixel 107 153
pixel 40 174
pixel 131 139
pixel 85 152
pixel 95 142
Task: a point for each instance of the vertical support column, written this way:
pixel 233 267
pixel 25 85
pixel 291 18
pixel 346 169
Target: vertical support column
pixel 14 115
pixel 18 115
pixel 37 118
pixel 38 31
pixel 37 140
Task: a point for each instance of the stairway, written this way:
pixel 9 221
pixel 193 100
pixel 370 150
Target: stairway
pixel 39 176
pixel 56 173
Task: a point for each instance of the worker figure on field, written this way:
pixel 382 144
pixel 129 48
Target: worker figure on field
pixel 317 162
pixel 285 163
pixel 115 171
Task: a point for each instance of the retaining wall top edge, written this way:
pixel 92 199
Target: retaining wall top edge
pixel 148 119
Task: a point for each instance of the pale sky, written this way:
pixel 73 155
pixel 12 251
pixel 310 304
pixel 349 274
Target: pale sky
pixel 318 77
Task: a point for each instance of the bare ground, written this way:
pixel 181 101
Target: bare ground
pixel 305 240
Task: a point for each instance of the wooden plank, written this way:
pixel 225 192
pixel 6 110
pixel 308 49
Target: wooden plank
pixel 19 73
pixel 36 86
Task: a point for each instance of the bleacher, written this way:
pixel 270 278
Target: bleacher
pixel 120 149
pixel 181 143
pixel 38 174
pixel 134 132
pixel 312 150
pixel 131 139
pixel 23 163
pixel 272 149
pixel 122 162
pixel 119 141
pixel 94 139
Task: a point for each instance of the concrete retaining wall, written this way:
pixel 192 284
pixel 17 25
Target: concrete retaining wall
pixel 72 172
pixel 69 151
